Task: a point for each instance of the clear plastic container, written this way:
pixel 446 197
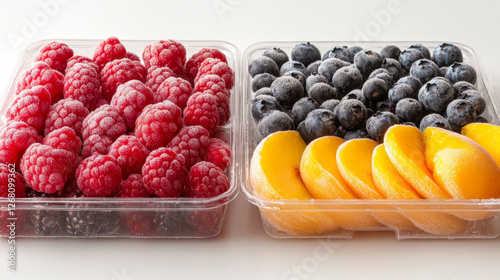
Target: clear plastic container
pixel 113 217
pixel 316 217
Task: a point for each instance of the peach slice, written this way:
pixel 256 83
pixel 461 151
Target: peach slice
pixel 486 135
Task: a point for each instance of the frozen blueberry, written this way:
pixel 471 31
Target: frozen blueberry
pixel 369 113
pixel 442 71
pixel 306 53
pixel 434 120
pixel 291 66
pixel 342 53
pixel 424 70
pixel 330 104
pixel 301 129
pixel 409 110
pixel 409 124
pixel 356 94
pixel 460 71
pixel 263 64
pixel 351 114
pixel 401 91
pixel 329 66
pixel 347 79
pixel 446 54
pixel 287 90
pixel 340 132
pixel 359 133
pixel 262 80
pixel 264 104
pixel 460 112
pixel 425 51
pixel 355 49
pixel 375 89
pixel 326 55
pixel 278 55
pixel 394 68
pixel 385 106
pixel 378 124
pixel 313 67
pixel 409 56
pixel 383 74
pixel 274 121
pixel 297 75
pixel 263 91
pixel 367 61
pixel 413 82
pixel 462 86
pixel 435 96
pixel 320 122
pixel 303 107
pixel 476 99
pixel 390 51
pixel 481 119
pixel 315 78
pixel 322 92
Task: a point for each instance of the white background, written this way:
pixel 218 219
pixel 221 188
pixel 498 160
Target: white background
pixel 243 250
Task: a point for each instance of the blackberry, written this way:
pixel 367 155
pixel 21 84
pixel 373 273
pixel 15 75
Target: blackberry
pixel 434 120
pixel 320 122
pixel 409 56
pixel 435 96
pixel 91 223
pixel 459 71
pixel 275 121
pixel 306 53
pixel 287 90
pixel 424 70
pixel 322 92
pixel 446 54
pixel 355 49
pixel 413 82
pixel 382 74
pixel 170 223
pixel 425 51
pixel 356 94
pixel 292 66
pixel 347 79
pixel 263 64
pixel 462 86
pixel 46 223
pixel 313 67
pixel 330 104
pixel 262 80
pixel 329 66
pixel 378 124
pixel 297 75
pixel 409 110
pixel 264 104
pixel 367 61
pixel 375 89
pixel 390 51
pixel 360 133
pixel 459 113
pixel 401 91
pixel 278 55
pixel 314 78
pixel 342 53
pixel 303 107
pixel 351 114
pixel 476 99
pixel 394 68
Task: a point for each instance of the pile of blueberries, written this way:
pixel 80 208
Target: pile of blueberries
pixel 351 92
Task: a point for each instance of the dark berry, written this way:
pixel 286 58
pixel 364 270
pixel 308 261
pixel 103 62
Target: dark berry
pixel 409 56
pixel 446 54
pixel 462 86
pixel 441 79
pixel 435 96
pixel 170 223
pixel 394 68
pixel 369 113
pixel 262 80
pixel 442 71
pixel 314 78
pixel 401 91
pixel 301 129
pixel 375 89
pixel 382 74
pixel 481 119
pixel 292 66
pixel 263 91
pixel 347 79
pixel 330 104
pixel 378 124
pixel 459 71
pixel 264 104
pixel 409 124
pixel 303 107
pixel 297 75
pixel 351 113
pixel 476 99
pixel 91 223
pixel 274 121
pixel 355 49
pixel 320 122
pixel 329 66
pixel 342 53
pixel 263 64
pixel 460 112
pixel 306 53
pixel 385 106
pixel 322 92
pixel 278 55
pixel 424 70
pixel 425 51
pixel 359 133
pixel 356 94
pixel 46 223
pixel 340 132
pixel 409 110
pixel 413 82
pixel 390 51
pixel 367 61
pixel 313 67
pixel 287 90
pixel 434 120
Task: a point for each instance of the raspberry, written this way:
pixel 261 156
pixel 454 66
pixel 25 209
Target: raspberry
pixel 98 176
pixel 158 124
pixel 133 187
pixel 82 59
pixel 83 83
pixel 218 153
pixel 165 53
pixel 31 107
pixel 206 180
pixel 71 189
pixel 192 143
pixel 96 144
pixel 164 173
pixel 130 99
pixel 222 134
pixel 42 75
pixel 18 184
pixel 109 50
pixel 207 223
pixel 129 153
pixel 138 223
pixel 194 62
pixel 132 56
pixel 202 110
pixel 176 90
pixel 212 82
pixel 156 76
pixel 104 121
pixel 64 138
pixel 56 55
pixel 66 112
pixel 217 67
pixel 100 102
pixel 46 169
pixel 119 72
pixel 223 106
pixel 15 138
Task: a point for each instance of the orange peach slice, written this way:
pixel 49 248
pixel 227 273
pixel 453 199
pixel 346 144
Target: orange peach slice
pixel 486 135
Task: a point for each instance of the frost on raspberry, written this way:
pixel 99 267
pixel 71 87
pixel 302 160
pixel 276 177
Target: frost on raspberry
pixel 109 50
pixel 164 173
pixel 104 121
pixel 211 82
pixel 31 106
pixel 132 56
pixel 42 75
pixel 98 176
pixel 176 90
pixel 206 180
pixel 192 143
pixel 133 186
pixel 15 138
pixel 83 83
pixel 66 112
pixel 129 153
pixel 195 61
pixel 130 99
pixel 202 110
pixel 82 59
pixel 222 99
pixel 165 53
pixel 96 144
pixel 119 72
pixel 64 138
pixel 217 67
pixel 56 55
pixel 156 76
pixel 218 153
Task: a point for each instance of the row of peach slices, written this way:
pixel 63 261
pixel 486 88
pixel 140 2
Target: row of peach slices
pixel 410 165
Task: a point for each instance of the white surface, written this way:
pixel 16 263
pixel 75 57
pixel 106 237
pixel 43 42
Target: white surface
pixel 243 250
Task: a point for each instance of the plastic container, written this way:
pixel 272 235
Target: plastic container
pixel 113 217
pixel 306 218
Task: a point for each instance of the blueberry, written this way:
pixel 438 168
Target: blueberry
pixel 291 66
pixel 442 71
pixel 326 55
pixel 263 91
pixel 409 56
pixel 378 124
pixel 441 79
pixel 264 104
pixel 459 71
pixel 385 106
pixel 359 133
pixel 340 132
pixel 274 121
pixel 390 51
pixel 425 51
pixel 394 68
pixel 297 75
pixel 409 124
pixel 462 86
pixel 476 99
pixel 481 119
pixel 446 54
pixel 413 82
pixel 330 104
pixel 460 112
pixel 401 91
pixel 409 110
pixel 278 55
pixel 342 53
pixel 369 113
pixel 424 70
pixel 262 80
pixel 351 114
pixel 322 92
pixel 313 67
pixel 356 94
pixel 263 64
pixel 287 90
pixel 382 74
pixel 435 96
pixel 329 66
pixel 306 53
pixel 355 49
pixel 347 79
pixel 314 79
pixel 320 122
pixel 301 129
pixel 303 107
pixel 367 61
pixel 434 120
pixel 375 89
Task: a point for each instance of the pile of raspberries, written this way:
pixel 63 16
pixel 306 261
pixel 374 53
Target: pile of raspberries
pixel 113 126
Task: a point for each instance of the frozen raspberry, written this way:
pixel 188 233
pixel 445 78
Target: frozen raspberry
pixel 212 82
pixel 82 59
pixel 206 223
pixel 15 138
pixel 42 75
pixel 223 106
pixel 83 83
pixel 164 173
pixel 47 169
pixel 165 53
pixel 133 187
pixel 66 112
pixel 192 143
pixel 222 134
pixel 64 138
pixel 176 90
pixel 202 110
pixel 119 72
pixel 129 153
pixel 56 55
pixel 31 106
pixel 156 76
pixel 16 182
pixel 100 102
pixel 98 176
pixel 104 121
pixel 130 99
pixel 158 124
pixel 138 223
pixel 132 56
pixel 217 67
pixel 218 153
pixel 96 144
pixel 206 180
pixel 71 189
pixel 195 61
pixel 109 50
